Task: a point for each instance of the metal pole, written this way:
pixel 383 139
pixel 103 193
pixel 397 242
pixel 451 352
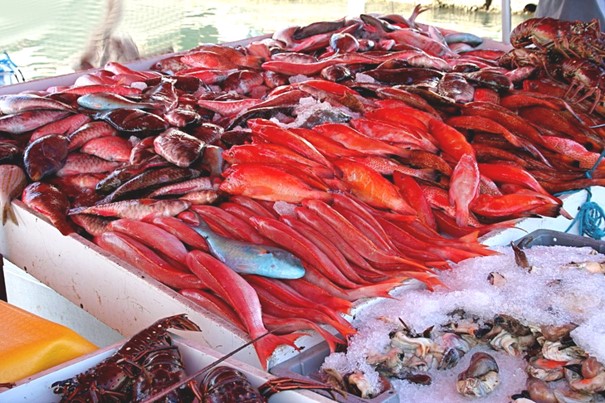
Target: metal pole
pixel 506 21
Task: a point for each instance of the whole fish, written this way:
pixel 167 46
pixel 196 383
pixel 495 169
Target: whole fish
pixel 201 197
pixel 45 156
pixel 246 258
pixel 136 208
pixel 79 163
pixel 151 179
pixel 178 147
pixel 270 183
pixel 12 183
pixel 464 187
pixel 29 120
pixel 134 121
pixel 181 188
pixel 63 126
pixel 49 201
pixel 15 103
pixel 106 101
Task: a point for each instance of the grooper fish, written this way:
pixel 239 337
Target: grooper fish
pixel 246 258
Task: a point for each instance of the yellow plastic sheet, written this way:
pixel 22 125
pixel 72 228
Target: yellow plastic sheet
pixel 30 344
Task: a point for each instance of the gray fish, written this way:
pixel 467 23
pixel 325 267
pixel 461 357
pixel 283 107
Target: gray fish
pixel 246 258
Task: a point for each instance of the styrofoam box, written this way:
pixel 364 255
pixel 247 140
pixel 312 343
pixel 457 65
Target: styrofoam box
pixel 195 357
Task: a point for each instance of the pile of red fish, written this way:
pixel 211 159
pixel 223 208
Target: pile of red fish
pixel 373 150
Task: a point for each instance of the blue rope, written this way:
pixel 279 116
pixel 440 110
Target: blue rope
pixel 590 216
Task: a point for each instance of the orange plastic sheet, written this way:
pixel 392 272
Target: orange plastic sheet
pixel 30 344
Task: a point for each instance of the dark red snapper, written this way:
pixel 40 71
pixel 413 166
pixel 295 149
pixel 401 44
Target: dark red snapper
pixel 151 179
pixel 45 156
pixel 178 147
pixel 50 202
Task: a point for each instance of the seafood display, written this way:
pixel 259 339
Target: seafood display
pixel 475 337
pixel 315 169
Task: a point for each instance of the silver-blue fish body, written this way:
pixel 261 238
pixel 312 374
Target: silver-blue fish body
pixel 107 102
pixel 247 258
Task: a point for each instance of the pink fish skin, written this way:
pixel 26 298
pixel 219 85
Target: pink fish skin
pixel 144 259
pixel 152 236
pixel 49 201
pixel 242 297
pixel 26 121
pixel 78 163
pixel 108 148
pixel 182 231
pixel 181 188
pixel 15 103
pixel 464 187
pixel 64 126
pixel 88 132
pixel 136 209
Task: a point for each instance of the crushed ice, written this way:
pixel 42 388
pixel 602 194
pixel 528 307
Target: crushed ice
pixel 554 291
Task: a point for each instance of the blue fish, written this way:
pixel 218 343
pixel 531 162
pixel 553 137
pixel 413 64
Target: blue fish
pixel 247 258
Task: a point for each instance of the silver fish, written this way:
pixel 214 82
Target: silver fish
pixel 105 102
pixel 12 183
pixel 246 258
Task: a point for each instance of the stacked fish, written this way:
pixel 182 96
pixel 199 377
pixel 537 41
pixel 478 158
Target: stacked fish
pixel 325 164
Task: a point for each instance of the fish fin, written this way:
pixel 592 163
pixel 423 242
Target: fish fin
pixel 267 345
pixel 471 237
pixel 5 212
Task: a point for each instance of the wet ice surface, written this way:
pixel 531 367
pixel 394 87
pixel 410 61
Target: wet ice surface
pixel 551 293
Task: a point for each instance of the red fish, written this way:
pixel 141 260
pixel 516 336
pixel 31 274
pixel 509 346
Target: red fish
pixel 464 187
pixel 78 163
pixel 45 156
pixel 64 126
pixel 356 141
pixel 450 140
pixel 178 147
pixel 412 192
pixel 88 132
pixel 268 183
pixel 152 236
pixel 49 201
pixel 242 298
pixel 110 148
pixel 141 257
pixel 182 231
pixel 26 121
pixel 372 188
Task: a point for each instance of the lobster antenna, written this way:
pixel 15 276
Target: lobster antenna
pixel 201 371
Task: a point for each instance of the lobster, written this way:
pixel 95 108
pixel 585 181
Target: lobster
pixel 572 39
pixel 143 365
pixel 224 384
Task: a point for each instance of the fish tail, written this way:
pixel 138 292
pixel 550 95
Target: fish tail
pixel 266 345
